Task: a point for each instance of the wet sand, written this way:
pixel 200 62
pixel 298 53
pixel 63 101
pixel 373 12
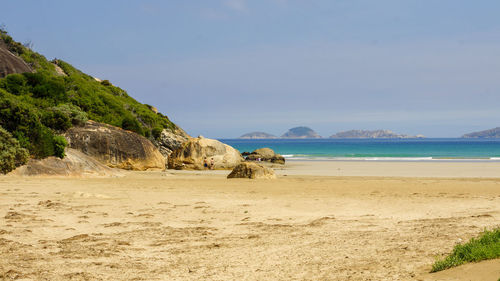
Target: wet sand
pixel 439 169
pixel 201 226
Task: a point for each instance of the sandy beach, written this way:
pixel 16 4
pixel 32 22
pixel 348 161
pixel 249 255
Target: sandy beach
pixel 317 221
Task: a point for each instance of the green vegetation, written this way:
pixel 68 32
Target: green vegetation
pixel 487 246
pixel 36 107
pixel 11 153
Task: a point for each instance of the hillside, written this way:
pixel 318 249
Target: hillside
pixel 375 134
pixel 301 133
pixel 49 97
pixel 258 135
pixel 486 134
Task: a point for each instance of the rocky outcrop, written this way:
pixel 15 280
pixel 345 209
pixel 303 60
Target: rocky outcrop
pixel 75 163
pixel 265 154
pixel 115 147
pixel 487 134
pixel 376 134
pixel 170 141
pixel 301 133
pixel 10 63
pixel 250 170
pixel 258 135
pixel 192 154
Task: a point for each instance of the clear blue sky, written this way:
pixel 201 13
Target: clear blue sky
pixel 222 68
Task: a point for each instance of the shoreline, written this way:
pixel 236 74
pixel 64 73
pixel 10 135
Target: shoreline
pixel 394 159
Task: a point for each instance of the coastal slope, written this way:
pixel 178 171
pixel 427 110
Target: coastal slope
pixel 40 100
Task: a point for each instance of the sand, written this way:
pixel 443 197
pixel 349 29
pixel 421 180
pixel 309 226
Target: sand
pixel 202 226
pixel 439 169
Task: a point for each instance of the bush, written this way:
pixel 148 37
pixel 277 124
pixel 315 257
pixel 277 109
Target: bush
pixel 105 83
pixel 23 120
pixel 64 116
pixel 56 120
pixel 15 84
pixel 60 144
pixel 157 132
pixel 12 154
pixel 131 124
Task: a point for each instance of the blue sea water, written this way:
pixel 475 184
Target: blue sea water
pixel 377 149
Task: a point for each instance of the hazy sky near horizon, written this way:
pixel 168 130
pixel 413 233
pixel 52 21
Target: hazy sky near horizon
pixel 222 68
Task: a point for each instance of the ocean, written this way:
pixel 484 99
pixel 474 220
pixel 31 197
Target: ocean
pixel 428 149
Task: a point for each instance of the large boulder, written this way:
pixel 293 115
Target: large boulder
pixel 115 147
pixel 75 163
pixel 192 154
pixel 10 63
pixel 265 154
pixel 250 170
pixel 170 141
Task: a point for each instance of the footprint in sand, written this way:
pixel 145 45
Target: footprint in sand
pixel 49 204
pixel 144 215
pixel 79 194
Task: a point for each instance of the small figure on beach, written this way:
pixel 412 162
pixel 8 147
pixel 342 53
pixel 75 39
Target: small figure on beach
pixel 205 163
pixel 212 164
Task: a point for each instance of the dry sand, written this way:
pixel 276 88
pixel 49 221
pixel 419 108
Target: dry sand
pixel 201 226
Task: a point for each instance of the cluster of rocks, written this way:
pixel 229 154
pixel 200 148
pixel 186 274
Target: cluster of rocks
pixel 264 154
pixel 96 148
pixel 170 141
pixel 193 154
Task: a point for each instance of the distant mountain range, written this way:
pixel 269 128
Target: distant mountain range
pixel 293 133
pixel 308 133
pixel 376 134
pixel 486 134
pixel 258 135
pixel 301 133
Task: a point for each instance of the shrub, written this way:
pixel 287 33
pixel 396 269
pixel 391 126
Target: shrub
pixel 12 154
pixel 157 132
pixel 15 84
pixel 131 124
pixel 23 120
pixel 105 83
pixel 56 120
pixel 64 116
pixel 60 144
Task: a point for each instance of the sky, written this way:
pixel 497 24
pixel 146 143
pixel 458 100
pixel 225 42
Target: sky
pixel 222 68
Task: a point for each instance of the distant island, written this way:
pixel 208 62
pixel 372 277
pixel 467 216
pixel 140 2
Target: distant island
pixel 301 133
pixel 258 135
pixel 486 134
pixel 376 134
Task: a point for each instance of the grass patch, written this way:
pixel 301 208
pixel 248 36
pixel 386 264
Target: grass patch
pixel 486 246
